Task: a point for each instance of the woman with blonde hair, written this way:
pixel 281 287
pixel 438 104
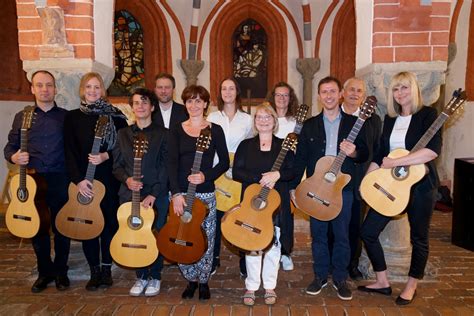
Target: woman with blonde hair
pixel 406 122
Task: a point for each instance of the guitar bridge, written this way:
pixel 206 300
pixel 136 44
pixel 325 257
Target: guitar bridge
pixel 248 227
pixel 22 217
pixel 79 220
pixel 180 242
pixel 134 246
pixel 318 199
pixel 384 192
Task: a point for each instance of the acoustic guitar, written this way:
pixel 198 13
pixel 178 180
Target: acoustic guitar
pixel 182 239
pixel 320 196
pixel 81 217
pixel 249 225
pixel 22 218
pixel 387 191
pixel 228 191
pixel 134 244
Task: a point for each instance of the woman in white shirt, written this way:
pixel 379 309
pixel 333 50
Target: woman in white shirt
pixel 284 101
pixel 237 126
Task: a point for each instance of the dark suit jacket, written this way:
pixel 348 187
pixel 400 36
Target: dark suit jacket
pixel 312 146
pixel 178 115
pixel 419 124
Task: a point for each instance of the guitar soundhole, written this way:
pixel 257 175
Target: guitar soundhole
pixel 401 172
pixel 135 222
pixel 22 194
pixel 258 203
pixel 186 217
pixel 84 200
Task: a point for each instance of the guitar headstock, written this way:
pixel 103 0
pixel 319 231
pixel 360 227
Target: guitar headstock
pixel 140 145
pixel 458 99
pixel 204 140
pixel 101 126
pixel 301 113
pixel 368 108
pixel 290 142
pixel 28 116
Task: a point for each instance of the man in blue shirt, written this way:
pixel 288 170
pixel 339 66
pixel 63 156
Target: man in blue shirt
pixel 45 155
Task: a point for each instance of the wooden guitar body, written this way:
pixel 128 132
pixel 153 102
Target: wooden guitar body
pixel 182 242
pixel 249 225
pixel 227 190
pixel 22 218
pixel 81 218
pixel 320 196
pixel 387 191
pixel 134 244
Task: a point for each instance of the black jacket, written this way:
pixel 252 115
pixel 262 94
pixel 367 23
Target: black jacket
pixel 178 115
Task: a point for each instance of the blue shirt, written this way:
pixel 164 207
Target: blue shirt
pixel 331 129
pixel 45 140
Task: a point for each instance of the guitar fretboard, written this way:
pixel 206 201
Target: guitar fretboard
pixel 192 187
pixel 23 148
pixel 137 174
pixel 276 166
pixel 91 167
pixel 431 132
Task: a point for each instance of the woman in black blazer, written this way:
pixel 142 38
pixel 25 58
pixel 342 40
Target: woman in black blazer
pixel 405 124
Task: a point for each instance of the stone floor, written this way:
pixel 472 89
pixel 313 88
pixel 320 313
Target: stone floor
pixel 450 292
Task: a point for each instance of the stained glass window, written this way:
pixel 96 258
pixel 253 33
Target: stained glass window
pixel 250 57
pixel 129 61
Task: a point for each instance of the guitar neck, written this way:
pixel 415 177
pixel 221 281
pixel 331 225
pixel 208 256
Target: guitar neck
pixel 23 148
pixel 192 187
pixel 298 128
pixel 337 164
pixel 276 167
pixel 137 174
pixel 91 167
pixel 425 139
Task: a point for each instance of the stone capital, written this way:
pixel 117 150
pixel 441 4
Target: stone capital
pixel 308 67
pixel 191 68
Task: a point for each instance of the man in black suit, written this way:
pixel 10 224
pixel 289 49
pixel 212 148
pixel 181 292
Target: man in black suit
pixel 169 113
pixel 354 93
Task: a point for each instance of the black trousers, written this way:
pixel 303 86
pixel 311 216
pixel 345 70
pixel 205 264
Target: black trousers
pixel 419 211
pixel 52 195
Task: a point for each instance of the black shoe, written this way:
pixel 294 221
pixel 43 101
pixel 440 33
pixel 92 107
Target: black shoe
pixel 383 290
pixel 106 276
pixel 189 290
pixel 401 301
pixel 62 282
pixel 343 291
pixel 95 280
pixel 41 283
pixel 316 286
pixel 355 274
pixel 204 292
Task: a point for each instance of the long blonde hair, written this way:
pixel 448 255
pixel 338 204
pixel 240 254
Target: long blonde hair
pixel 408 79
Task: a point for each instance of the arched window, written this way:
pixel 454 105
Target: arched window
pixel 129 56
pixel 250 57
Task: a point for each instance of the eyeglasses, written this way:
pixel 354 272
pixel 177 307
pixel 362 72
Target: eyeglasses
pixel 279 95
pixel 263 118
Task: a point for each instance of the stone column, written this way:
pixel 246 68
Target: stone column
pixel 191 69
pixel 307 68
pixel 395 238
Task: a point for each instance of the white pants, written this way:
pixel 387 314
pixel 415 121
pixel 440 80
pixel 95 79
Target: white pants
pixel 269 271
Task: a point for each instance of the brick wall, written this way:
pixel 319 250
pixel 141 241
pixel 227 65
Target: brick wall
pixel 407 31
pixel 79 25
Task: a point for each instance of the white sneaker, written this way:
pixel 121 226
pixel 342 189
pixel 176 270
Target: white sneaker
pixel 286 263
pixel 138 287
pixel 153 287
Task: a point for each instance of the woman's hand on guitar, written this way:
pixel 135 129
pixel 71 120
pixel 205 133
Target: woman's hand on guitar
pixel 178 204
pixel 85 188
pixel 148 201
pixel 197 178
pixel 133 185
pixel 20 158
pixel 99 158
pixel 269 179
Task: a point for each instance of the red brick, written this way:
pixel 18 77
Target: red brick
pixel 220 310
pixel 79 37
pixel 372 311
pixel 440 24
pixel 280 310
pixel 78 8
pixel 440 53
pixel 70 309
pixel 412 54
pixel 386 11
pixel 162 310
pixel 383 26
pixel 439 38
pixel 86 51
pixel 240 310
pixel 144 310
pixel 297 310
pixel 317 311
pixel 403 39
pixel 385 1
pixel 441 8
pixel 182 310
pixel 29 24
pixel 382 54
pixel 381 39
pixel 125 310
pixel 26 9
pixel 260 310
pixel 79 22
pixel 413 18
pixel 30 38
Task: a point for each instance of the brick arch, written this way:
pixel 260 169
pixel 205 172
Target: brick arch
pixel 470 58
pixel 156 33
pixel 343 42
pixel 221 40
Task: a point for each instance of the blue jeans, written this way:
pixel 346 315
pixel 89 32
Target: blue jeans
pixel 341 251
